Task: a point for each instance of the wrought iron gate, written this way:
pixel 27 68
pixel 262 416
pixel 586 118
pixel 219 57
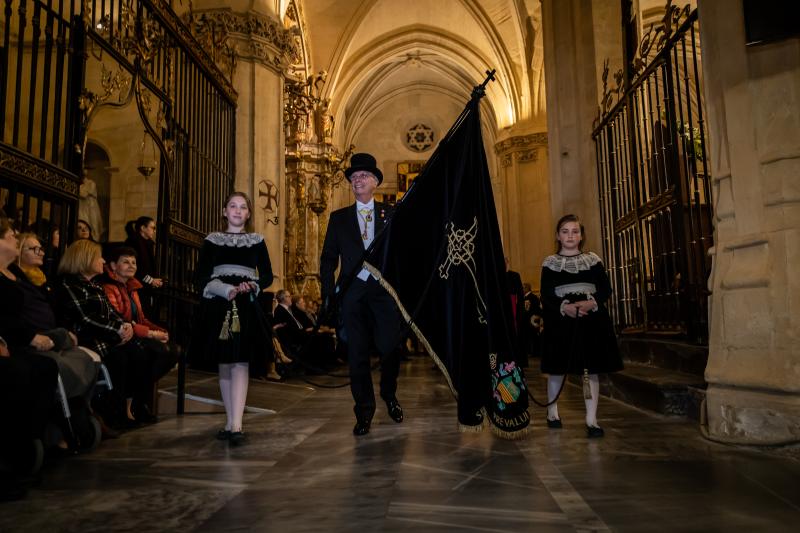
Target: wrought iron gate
pixel 655 188
pixel 186 104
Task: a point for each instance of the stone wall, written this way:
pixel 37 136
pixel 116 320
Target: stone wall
pixel 753 101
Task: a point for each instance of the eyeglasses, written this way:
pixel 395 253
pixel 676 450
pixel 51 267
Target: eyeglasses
pixel 35 249
pixel 360 177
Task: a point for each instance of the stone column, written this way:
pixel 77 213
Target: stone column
pixel 752 97
pixel 527 225
pixel 571 74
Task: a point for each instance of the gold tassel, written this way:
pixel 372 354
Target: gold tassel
pixel 587 390
pixel 224 332
pixel 235 325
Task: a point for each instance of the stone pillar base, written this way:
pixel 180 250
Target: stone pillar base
pixel 742 416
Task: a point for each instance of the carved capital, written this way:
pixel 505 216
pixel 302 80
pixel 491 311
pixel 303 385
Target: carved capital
pixel 249 36
pixel 526 156
pixel 520 143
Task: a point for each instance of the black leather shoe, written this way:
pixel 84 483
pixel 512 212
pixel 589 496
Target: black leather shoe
pixel 394 410
pixel 594 432
pixel 554 424
pixel 223 434
pixel 361 427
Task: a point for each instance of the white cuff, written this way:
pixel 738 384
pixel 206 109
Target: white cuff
pixel 561 307
pixel 215 287
pixel 591 298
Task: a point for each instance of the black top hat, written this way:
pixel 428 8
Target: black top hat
pixel 364 162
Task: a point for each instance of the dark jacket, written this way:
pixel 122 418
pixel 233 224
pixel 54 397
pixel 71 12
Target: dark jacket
pixel 16 331
pixel 84 308
pixel 146 268
pixel 343 242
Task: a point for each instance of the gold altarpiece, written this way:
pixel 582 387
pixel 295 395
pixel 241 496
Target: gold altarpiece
pixel 314 167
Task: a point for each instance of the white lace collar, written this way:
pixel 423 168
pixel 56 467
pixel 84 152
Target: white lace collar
pixel 573 263
pixel 236 240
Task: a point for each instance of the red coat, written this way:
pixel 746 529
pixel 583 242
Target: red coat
pixel 120 295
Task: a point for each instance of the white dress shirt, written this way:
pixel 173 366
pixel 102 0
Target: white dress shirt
pixel 370 229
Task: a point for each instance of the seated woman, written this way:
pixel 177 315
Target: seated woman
pixel 28 314
pixel 122 290
pixel 83 230
pixel 27 381
pixel 82 306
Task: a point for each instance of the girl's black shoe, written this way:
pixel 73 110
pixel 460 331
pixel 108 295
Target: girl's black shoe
pixel 554 424
pixel 223 434
pixel 594 432
pixel 237 438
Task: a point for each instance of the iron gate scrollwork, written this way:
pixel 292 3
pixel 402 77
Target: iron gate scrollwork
pixel 186 104
pixel 655 187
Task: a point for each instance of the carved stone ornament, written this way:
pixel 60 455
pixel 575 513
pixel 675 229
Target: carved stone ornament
pixel 520 142
pixel 527 156
pixel 33 170
pixel 256 36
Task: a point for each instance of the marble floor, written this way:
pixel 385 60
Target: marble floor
pixel 303 470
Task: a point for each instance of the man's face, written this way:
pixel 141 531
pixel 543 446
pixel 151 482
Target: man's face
pixel 363 183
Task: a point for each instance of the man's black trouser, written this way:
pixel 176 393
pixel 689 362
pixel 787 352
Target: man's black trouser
pixel 370 315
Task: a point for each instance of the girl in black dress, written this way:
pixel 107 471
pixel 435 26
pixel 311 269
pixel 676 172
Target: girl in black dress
pixel 578 334
pixel 232 270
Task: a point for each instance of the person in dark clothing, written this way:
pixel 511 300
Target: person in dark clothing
pixel 82 307
pixel 231 331
pixel 32 323
pixel 142 238
pixel 27 388
pixel 368 311
pixel 578 334
pixel 533 320
pixel 517 313
pixel 122 290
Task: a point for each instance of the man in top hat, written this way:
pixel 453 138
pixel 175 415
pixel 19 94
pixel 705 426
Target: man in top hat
pixel 368 312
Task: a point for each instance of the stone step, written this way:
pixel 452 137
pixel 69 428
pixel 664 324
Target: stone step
pixel 664 391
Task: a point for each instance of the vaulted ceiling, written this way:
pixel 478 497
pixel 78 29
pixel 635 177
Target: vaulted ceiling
pixel 377 50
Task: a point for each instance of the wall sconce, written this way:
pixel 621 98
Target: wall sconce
pixel 147 165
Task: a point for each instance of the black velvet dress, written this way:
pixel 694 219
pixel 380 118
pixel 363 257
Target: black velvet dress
pixel 227 259
pixel 571 344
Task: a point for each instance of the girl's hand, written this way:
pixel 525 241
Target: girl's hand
pixel 585 307
pixel 247 286
pixel 571 310
pixel 232 292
